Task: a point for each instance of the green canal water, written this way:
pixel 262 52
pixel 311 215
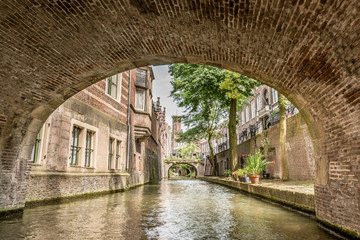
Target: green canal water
pixel 181 209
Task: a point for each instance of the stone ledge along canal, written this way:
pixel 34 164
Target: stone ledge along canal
pixel 179 209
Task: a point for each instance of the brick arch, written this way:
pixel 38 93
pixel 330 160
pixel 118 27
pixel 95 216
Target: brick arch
pixel 307 50
pixel 195 166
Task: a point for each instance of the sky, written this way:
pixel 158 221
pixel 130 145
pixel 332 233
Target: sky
pixel 162 88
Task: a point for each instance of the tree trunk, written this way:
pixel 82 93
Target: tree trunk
pixel 212 157
pixel 284 167
pixel 232 135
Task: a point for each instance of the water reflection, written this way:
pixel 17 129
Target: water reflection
pixel 183 209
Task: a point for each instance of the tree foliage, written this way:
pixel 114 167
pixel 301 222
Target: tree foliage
pixel 188 150
pixel 238 87
pixel 206 93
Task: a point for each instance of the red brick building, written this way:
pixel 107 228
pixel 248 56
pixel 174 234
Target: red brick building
pixel 85 146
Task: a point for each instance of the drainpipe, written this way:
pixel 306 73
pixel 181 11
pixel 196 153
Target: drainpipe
pixel 128 126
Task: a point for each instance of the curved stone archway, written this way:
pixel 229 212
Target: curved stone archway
pixel 198 166
pixel 307 50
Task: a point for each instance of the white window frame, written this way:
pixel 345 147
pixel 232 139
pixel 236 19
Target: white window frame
pixel 136 101
pixel 253 113
pixel 122 163
pixel 78 146
pixel 275 96
pixel 82 143
pixel 247 114
pixel 91 147
pixel 118 155
pixel 242 117
pixel 119 87
pixel 146 78
pixel 41 145
pixel 258 102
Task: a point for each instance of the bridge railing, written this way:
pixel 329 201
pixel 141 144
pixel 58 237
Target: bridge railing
pixel 181 160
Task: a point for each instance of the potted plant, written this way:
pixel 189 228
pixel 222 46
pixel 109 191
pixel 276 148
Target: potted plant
pixel 242 175
pixel 255 165
pixel 234 175
pixel 227 173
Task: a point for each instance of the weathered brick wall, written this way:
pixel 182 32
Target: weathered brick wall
pixel 153 162
pixel 299 150
pixel 308 50
pixel 57 155
pixel 54 185
pixel 95 96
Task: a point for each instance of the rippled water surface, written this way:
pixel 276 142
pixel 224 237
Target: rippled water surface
pixel 181 209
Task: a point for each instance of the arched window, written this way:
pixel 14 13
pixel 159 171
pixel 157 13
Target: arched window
pixel 266 97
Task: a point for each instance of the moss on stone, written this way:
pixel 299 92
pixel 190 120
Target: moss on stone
pixel 10 212
pixel 75 197
pixel 60 199
pixel 337 229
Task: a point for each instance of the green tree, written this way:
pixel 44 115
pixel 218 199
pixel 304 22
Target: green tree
pixel 188 150
pixel 209 94
pixel 195 88
pixel 238 89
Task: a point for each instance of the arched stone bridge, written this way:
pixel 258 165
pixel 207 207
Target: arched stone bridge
pixel 306 49
pixel 197 164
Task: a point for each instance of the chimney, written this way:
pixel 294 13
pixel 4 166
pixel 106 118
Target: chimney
pixel 158 107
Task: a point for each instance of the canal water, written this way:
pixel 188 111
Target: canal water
pixel 179 209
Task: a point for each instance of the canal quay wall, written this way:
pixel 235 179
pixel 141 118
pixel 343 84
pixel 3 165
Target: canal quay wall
pixel 53 186
pixel 299 150
pixel 298 200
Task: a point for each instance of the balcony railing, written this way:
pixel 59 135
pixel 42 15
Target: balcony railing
pixel 264 111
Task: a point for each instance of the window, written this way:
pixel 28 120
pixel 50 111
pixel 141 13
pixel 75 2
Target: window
pixel 266 97
pixel 242 117
pixel 139 163
pixel 140 99
pixel 74 148
pixel 247 114
pixel 117 154
pixel 35 150
pixel 258 102
pixel 113 86
pixel 252 109
pixel 111 154
pixel 83 143
pixel 141 77
pixel 88 148
pixel 275 96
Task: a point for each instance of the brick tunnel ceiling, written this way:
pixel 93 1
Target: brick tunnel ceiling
pixel 50 50
pixel 307 49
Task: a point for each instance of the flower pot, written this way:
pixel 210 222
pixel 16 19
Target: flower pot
pixel 254 179
pixel 245 179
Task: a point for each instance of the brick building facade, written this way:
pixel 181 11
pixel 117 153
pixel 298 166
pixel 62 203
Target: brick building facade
pixel 299 150
pixel 83 145
pixel 257 117
pixel 176 129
